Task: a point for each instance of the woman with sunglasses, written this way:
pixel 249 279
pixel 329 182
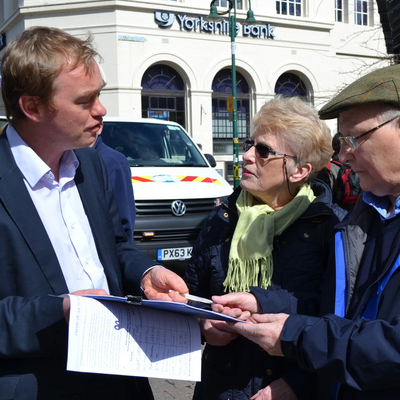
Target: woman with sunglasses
pixel 273 232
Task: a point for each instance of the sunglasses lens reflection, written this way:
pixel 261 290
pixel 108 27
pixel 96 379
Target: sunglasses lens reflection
pixel 262 150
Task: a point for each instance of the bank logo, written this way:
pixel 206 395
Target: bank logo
pixel 164 19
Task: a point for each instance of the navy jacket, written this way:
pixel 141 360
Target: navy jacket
pixel 33 339
pixel 300 255
pixel 362 355
pixel 119 174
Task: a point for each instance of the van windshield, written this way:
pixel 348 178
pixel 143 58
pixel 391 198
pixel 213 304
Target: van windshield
pixel 154 145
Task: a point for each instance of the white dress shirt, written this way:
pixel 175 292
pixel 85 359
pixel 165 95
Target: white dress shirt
pixel 61 211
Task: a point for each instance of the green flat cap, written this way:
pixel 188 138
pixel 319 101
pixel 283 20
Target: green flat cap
pixel 379 86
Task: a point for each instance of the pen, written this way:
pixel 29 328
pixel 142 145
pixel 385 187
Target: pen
pixel 196 298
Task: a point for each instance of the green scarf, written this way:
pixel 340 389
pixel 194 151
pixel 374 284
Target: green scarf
pixel 250 257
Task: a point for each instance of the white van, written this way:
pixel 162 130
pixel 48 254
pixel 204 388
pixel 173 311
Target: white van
pixel 175 185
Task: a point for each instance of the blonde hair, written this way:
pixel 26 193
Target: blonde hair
pixel 296 125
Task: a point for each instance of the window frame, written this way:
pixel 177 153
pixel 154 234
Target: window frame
pixel 225 4
pixel 283 7
pixel 361 17
pixel 339 11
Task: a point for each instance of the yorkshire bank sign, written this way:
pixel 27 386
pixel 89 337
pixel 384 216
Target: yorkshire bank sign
pixel 166 19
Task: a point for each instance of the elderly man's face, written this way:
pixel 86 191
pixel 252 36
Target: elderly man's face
pixel 377 158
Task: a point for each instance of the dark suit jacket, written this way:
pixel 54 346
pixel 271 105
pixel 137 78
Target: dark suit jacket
pixel 33 332
pixel 120 176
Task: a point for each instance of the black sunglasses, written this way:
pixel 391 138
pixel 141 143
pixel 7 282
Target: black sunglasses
pixel 262 150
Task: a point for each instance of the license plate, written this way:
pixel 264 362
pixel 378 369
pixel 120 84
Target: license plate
pixel 180 253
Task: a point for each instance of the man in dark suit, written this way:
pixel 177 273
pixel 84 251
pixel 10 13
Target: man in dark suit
pixel 120 176
pixel 59 223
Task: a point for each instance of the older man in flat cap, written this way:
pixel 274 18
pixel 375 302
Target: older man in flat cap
pixel 355 346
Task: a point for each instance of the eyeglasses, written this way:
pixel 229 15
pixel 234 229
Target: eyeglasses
pixel 262 150
pixel 351 141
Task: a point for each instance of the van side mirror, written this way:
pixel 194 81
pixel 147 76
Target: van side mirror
pixel 211 160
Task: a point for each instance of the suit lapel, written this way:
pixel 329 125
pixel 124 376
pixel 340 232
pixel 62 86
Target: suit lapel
pixel 18 204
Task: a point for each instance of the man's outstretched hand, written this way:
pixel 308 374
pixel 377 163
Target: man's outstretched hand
pixel 162 284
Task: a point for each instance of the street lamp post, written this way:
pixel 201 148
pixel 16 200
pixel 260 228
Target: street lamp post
pixel 232 33
pixel 214 15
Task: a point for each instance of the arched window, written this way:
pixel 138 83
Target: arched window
pixel 163 94
pixel 222 120
pixel 291 85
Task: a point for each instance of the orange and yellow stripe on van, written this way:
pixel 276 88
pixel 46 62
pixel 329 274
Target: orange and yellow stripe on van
pixel 137 179
pixel 202 179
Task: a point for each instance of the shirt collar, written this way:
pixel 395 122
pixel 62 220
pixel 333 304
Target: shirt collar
pixel 381 204
pixel 32 167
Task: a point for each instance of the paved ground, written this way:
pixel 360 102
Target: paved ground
pixel 169 389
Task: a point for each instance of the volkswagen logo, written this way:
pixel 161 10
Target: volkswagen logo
pixel 178 208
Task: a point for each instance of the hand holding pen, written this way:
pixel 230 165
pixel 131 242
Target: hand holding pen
pixel 195 298
pixel 158 280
